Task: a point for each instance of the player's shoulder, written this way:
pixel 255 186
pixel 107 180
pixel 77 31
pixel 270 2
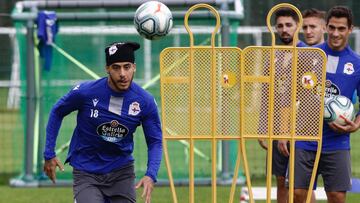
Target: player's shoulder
pixel 141 92
pixel 86 86
pixel 145 98
pixel 321 46
pixel 355 56
pixel 301 44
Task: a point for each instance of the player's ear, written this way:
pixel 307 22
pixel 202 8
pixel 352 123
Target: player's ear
pixel 107 69
pixel 134 67
pixel 323 26
pixel 351 28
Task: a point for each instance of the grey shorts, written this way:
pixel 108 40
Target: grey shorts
pixel 114 187
pixel 334 167
pixel 279 161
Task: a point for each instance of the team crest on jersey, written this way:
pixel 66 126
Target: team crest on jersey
pixel 348 68
pixel 134 109
pixel 112 131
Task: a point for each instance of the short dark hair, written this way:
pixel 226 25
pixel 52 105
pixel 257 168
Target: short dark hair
pixel 287 12
pixel 340 12
pixel 313 12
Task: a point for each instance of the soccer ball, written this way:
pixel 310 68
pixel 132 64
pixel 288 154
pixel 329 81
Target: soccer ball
pixel 153 20
pixel 336 108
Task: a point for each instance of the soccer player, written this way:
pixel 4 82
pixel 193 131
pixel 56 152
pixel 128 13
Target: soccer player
pixel 343 77
pixel 313 26
pixel 108 113
pixel 286 22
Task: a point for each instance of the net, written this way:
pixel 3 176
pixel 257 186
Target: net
pixel 11 127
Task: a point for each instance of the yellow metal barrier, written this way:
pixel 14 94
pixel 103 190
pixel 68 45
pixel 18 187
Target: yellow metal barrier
pixel 222 93
pixel 282 91
pixel 200 97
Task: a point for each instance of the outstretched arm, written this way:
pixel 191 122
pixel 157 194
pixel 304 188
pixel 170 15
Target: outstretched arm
pixel 153 136
pixel 63 107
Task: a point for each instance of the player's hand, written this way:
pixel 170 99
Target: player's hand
pixel 148 185
pixel 50 168
pixel 282 146
pixel 349 126
pixel 263 144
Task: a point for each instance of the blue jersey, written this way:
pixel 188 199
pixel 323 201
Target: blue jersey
pixel 106 121
pixel 342 78
pixel 301 44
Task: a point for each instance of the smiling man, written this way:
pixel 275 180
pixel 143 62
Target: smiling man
pixel 108 112
pixel 342 78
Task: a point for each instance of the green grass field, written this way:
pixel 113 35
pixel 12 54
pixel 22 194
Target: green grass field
pixel 160 195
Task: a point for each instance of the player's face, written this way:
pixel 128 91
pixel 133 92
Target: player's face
pixel 120 75
pixel 314 29
pixel 286 27
pixel 338 33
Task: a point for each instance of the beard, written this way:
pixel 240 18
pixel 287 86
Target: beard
pixel 116 84
pixel 286 40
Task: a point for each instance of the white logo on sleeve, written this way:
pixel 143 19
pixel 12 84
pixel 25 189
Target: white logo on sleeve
pixel 348 68
pixel 134 109
pixel 95 101
pixel 76 87
pixel 112 50
pixel 155 102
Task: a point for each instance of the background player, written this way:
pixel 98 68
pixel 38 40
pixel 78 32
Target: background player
pixel 286 23
pixel 343 73
pixel 313 26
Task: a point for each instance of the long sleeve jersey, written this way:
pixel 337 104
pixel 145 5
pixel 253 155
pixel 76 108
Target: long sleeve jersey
pixel 102 140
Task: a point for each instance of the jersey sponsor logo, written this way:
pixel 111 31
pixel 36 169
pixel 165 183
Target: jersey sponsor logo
pixel 134 109
pixel 349 68
pixel 331 89
pixel 95 101
pixel 112 131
